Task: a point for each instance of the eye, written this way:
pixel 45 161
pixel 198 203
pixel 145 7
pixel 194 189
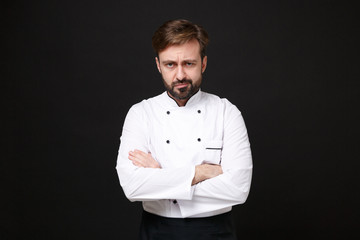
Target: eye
pixel 169 65
pixel 189 64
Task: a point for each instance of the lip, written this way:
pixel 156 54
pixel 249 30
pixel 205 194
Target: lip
pixel 181 85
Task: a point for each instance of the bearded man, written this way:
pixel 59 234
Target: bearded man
pixel 184 153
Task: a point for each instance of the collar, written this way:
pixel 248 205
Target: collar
pixel 194 99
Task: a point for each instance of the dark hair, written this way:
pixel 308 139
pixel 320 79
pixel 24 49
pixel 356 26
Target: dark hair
pixel 180 31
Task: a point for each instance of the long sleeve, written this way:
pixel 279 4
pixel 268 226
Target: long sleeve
pixel 207 130
pixel 144 184
pixel 232 187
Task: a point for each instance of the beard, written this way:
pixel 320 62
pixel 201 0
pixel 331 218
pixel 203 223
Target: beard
pixel 182 93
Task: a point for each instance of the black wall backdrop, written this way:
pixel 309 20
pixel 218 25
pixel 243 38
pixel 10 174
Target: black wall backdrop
pixel 73 69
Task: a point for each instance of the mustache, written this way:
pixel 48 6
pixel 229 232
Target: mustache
pixel 181 82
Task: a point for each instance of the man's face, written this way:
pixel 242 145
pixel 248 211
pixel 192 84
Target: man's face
pixel 181 69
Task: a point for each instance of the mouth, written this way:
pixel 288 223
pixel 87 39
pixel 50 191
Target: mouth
pixel 181 85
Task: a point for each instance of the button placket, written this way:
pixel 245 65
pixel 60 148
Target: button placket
pixel 167 113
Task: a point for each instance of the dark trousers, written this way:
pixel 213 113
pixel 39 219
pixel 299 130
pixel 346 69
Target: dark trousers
pixel 218 227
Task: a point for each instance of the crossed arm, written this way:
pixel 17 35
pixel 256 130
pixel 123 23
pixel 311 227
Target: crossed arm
pixel 142 177
pixel 202 171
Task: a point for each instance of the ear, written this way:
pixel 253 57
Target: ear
pixel 157 64
pixel 203 64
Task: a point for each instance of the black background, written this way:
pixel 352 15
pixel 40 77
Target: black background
pixel 72 69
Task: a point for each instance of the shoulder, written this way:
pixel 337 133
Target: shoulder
pixel 145 105
pixel 214 101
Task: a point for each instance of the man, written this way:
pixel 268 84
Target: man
pixel 184 153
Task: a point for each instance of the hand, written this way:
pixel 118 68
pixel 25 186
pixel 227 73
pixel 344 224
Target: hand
pixel 141 159
pixel 206 171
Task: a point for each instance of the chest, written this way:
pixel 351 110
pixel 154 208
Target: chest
pixel 182 136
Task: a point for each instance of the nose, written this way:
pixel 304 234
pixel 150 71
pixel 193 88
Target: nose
pixel 180 74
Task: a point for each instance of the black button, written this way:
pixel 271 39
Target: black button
pixel 199 111
pixel 168 112
pixel 174 202
pixel 199 139
pixel 167 141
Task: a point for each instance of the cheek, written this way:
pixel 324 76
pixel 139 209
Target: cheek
pixel 196 75
pixel 172 74
pixel 167 77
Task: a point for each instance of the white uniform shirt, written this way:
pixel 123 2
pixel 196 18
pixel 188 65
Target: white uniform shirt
pixel 207 129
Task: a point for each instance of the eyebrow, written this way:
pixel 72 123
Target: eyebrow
pixel 185 60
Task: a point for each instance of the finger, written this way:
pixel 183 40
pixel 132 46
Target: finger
pixel 134 155
pixel 137 163
pixel 134 160
pixel 140 153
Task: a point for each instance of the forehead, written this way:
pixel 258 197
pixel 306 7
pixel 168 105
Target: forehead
pixel 190 49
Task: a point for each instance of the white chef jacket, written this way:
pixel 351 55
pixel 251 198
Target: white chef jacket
pixel 208 129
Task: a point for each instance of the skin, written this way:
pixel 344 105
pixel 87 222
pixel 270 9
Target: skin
pixel 181 68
